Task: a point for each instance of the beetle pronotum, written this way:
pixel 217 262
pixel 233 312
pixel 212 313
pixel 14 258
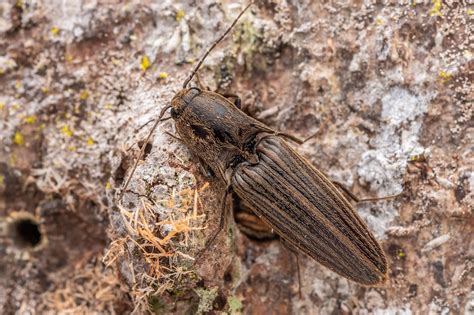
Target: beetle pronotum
pixel 304 207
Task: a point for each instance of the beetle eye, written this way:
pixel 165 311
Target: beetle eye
pixel 174 113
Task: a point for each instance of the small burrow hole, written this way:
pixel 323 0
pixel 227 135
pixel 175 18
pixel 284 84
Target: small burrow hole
pixel 25 232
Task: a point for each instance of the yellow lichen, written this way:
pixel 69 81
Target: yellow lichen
pixel 55 31
pixel 445 76
pixel 470 11
pixel 379 21
pixel 179 15
pixel 108 106
pixel 30 119
pixel 45 90
pixel 90 141
pixel 436 9
pixel 417 158
pixel 18 138
pixel 66 131
pixel 108 185
pixel 69 58
pixel 163 75
pixel 145 63
pixel 2 180
pixel 83 95
pixel 72 148
pixel 2 106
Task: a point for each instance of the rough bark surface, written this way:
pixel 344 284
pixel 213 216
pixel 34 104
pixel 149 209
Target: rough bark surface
pixel 386 87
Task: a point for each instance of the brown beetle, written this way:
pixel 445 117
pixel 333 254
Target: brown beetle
pixel 304 207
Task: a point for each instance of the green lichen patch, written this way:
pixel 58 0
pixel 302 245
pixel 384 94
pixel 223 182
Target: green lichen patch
pixel 206 299
pixel 235 305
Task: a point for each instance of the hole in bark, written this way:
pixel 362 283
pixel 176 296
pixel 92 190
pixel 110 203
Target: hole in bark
pixel 25 232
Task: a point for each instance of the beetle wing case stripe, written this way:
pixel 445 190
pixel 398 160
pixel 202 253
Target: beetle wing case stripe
pixel 308 211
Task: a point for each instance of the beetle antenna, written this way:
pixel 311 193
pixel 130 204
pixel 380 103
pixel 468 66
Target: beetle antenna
pixel 142 150
pixel 185 84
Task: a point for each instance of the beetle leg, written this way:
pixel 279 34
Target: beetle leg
pixel 294 138
pixel 298 140
pixel 380 198
pixel 299 275
pixel 346 190
pixel 221 223
pixel 200 85
pixel 205 169
pixel 297 257
pixel 357 199
pixel 249 223
pixel 173 136
pixel 237 101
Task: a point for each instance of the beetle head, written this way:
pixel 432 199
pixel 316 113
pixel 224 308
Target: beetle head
pixel 181 100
